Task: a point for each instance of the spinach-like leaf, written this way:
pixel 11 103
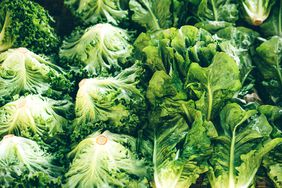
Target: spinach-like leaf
pixel 214 84
pixel 216 14
pixel 155 15
pixel 269 64
pixel 239 149
pixel 273 25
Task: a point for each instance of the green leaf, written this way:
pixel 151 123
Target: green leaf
pixel 22 71
pixel 105 159
pixel 273 25
pixel 214 84
pixel 23 162
pixel 269 63
pixel 94 11
pixel 216 14
pixel 239 150
pixel 114 103
pixel 99 49
pixel 238 43
pixel 181 144
pixel 154 15
pixel 24 23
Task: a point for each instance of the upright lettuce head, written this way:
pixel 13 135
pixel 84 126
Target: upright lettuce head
pixel 22 71
pixel 243 141
pixel 114 103
pixel 179 134
pixel 24 164
pixel 98 49
pixel 106 160
pixel 212 86
pixel 256 11
pixel 24 23
pixel 34 116
pixel 94 11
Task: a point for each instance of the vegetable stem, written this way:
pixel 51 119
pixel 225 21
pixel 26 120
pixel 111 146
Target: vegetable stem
pixel 232 154
pixel 279 73
pixel 2 33
pixel 154 19
pixel 209 103
pixel 280 19
pixel 214 10
pixel 231 160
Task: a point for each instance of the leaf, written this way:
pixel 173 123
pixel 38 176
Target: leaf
pixel 238 43
pixel 215 83
pixel 269 63
pixel 239 150
pixel 154 15
pixel 216 14
pixel 273 25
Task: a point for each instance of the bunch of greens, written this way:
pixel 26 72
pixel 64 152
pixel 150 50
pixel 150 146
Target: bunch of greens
pixel 26 24
pixel 141 93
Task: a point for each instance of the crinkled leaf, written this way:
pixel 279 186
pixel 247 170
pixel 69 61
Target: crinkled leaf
pixel 94 11
pixel 99 49
pixel 105 159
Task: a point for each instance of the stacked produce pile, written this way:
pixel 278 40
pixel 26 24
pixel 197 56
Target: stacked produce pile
pixel 141 94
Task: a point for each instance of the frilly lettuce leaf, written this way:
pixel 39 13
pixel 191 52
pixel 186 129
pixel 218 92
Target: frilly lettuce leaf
pixel 105 159
pixel 23 163
pixel 114 103
pixel 94 11
pixel 99 49
pixel 22 71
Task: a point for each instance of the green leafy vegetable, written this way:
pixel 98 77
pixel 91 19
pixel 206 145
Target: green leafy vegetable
pixel 213 15
pixel 23 164
pixel 215 84
pixel 273 25
pixel 239 149
pixel 256 11
pixel 180 141
pixel 22 71
pixel 113 102
pixel 106 160
pixel 94 11
pixel 174 49
pixel 24 23
pixel 238 42
pixel 269 64
pixel 99 49
pixel 155 15
pixel 33 115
